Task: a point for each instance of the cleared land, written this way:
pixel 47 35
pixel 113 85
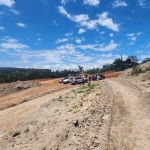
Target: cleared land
pixel 111 114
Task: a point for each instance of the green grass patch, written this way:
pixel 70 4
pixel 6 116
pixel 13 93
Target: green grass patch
pixel 75 107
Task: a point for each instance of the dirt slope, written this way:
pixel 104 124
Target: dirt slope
pixel 80 119
pixel 12 99
pixel 112 114
pixel 13 87
pixel 131 119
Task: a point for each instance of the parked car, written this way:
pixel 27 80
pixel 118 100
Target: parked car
pixel 61 80
pixel 77 80
pixel 67 80
pixel 101 76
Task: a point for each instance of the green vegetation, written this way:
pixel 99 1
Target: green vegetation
pixel 146 60
pixel 91 86
pixel 60 98
pixel 75 107
pixel 80 91
pixel 84 89
pixel 118 65
pixel 14 74
pixel 80 103
pixel 136 71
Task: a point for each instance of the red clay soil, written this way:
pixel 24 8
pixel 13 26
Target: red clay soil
pixel 111 74
pixel 48 86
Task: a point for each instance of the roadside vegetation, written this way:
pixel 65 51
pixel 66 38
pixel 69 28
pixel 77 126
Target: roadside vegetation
pixel 137 70
pixel 8 75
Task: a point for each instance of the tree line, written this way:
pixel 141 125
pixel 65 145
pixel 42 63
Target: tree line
pixel 118 65
pixel 14 74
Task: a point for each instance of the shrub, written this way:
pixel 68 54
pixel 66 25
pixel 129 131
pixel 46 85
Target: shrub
pixel 136 71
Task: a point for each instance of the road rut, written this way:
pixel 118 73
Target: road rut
pixel 131 123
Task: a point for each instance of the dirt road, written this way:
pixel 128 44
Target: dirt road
pixel 112 116
pixel 131 119
pixel 69 119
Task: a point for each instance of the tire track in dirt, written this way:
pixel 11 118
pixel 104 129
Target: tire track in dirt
pixel 130 123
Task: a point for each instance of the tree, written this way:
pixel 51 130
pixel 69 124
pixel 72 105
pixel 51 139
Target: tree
pixel 146 60
pixel 118 64
pixel 133 61
pixel 80 69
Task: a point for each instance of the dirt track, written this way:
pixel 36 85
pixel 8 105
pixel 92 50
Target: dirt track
pixel 114 116
pixel 130 128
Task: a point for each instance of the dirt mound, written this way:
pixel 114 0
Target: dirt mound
pixel 13 87
pixel 144 67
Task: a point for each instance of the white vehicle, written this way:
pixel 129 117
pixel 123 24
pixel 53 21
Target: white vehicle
pixel 67 80
pixel 61 80
pixel 76 80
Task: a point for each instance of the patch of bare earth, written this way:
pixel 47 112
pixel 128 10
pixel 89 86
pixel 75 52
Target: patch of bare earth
pixel 79 119
pixel 13 94
pixel 131 118
pixel 112 114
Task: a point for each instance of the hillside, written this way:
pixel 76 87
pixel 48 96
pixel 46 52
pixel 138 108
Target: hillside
pixel 110 114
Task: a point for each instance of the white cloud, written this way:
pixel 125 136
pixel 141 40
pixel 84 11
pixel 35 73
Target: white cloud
pixel 39 39
pixel 20 24
pixel 92 2
pixel 64 2
pixel 133 36
pixel 92 24
pixel 81 31
pixel 119 3
pixel 131 43
pixel 148 45
pixel 100 47
pixel 84 20
pixel 139 51
pixel 109 47
pixel 15 12
pixel 107 55
pixel 130 34
pixel 79 41
pixel 133 39
pixel 1 13
pixel 56 59
pixel 111 34
pixel 143 3
pixel 2 28
pixel 102 32
pixel 11 43
pixel 139 33
pixel 68 47
pixel 68 34
pixel 144 56
pixel 62 40
pixel 7 3
pixel 108 22
pixel 55 23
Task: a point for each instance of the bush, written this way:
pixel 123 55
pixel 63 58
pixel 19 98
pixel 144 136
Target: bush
pixel 136 71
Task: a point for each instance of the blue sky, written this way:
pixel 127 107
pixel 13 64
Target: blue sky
pixel 62 34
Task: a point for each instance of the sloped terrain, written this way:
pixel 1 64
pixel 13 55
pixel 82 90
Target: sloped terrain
pixel 17 93
pixel 10 88
pixel 110 114
pixel 80 119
